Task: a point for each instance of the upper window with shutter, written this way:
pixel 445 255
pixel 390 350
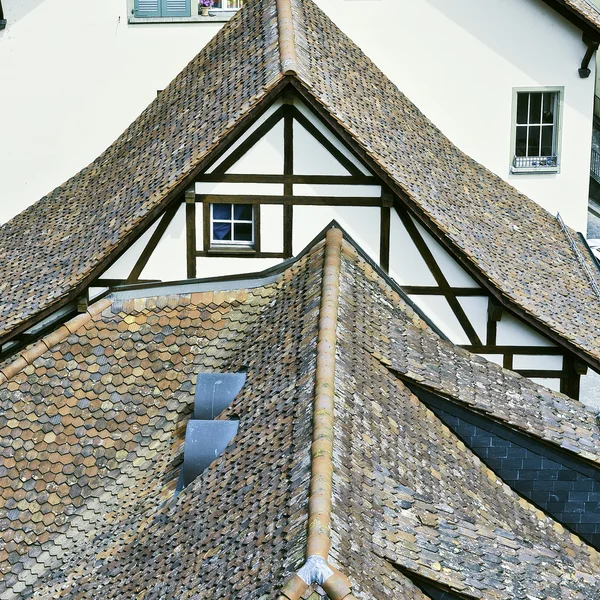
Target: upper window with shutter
pixel 220 9
pixel 162 8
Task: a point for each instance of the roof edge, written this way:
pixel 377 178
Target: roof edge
pixel 26 357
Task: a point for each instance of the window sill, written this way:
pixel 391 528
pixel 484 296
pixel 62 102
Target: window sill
pixel 216 17
pixel 224 249
pixel 534 170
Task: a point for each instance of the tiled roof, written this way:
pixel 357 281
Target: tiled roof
pixel 54 247
pixel 587 10
pixel 93 434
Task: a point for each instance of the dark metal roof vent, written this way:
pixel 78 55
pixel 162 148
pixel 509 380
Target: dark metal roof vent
pixel 205 438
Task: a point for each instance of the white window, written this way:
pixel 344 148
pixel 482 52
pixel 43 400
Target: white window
pixel 227 4
pixel 536 130
pixel 232 225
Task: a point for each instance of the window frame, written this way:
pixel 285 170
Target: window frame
pixel 559 90
pixel 234 245
pixel 217 9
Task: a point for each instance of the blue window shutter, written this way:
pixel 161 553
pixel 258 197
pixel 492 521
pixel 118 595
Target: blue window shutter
pixel 175 8
pixel 147 8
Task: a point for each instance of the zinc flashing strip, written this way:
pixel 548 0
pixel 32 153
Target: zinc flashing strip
pixel 47 342
pixel 316 570
pixel 287 43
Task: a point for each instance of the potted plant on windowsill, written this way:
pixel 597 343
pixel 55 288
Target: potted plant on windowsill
pixel 204 6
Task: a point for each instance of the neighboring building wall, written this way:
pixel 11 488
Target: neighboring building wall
pixel 456 62
pixel 76 74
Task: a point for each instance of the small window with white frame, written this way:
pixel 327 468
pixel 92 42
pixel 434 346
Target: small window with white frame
pixel 227 4
pixel 232 225
pixel 536 130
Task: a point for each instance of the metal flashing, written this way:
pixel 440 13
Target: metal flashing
pixel 215 392
pixel 205 442
pixel 205 438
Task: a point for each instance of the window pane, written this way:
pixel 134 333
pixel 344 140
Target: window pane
pixel 548 111
pixel 242 212
pixel 535 108
pixel 533 147
pixel 547 135
pixel 222 231
pixel 222 211
pixel 521 145
pixel 522 107
pixel 243 232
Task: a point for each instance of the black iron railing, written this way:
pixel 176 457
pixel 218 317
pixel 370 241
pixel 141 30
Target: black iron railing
pixel 595 165
pixel 535 162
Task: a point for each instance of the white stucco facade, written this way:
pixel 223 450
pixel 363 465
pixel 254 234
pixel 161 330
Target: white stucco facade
pixel 74 75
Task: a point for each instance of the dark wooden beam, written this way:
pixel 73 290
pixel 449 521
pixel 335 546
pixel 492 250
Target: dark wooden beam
pixel 116 282
pixel 283 179
pixel 541 373
pixel 434 290
pixel 144 257
pixel 206 233
pixel 491 332
pixel 439 277
pixel 256 225
pixel 384 239
pixel 523 350
pixel 190 233
pixel 288 200
pixel 288 187
pixel 570 385
pixel 233 252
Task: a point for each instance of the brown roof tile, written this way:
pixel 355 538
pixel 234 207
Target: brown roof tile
pixel 498 230
pixel 95 429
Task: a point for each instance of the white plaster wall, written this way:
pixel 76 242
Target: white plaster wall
pixel 513 332
pixel 407 266
pixel 73 76
pixel 459 60
pixel 361 222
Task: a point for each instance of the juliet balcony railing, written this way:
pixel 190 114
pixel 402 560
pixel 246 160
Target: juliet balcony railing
pixel 595 165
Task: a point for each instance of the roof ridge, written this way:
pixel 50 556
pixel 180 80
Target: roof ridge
pixel 287 41
pixel 52 339
pixel 316 568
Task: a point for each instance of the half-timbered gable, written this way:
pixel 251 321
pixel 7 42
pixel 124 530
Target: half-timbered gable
pixel 219 177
